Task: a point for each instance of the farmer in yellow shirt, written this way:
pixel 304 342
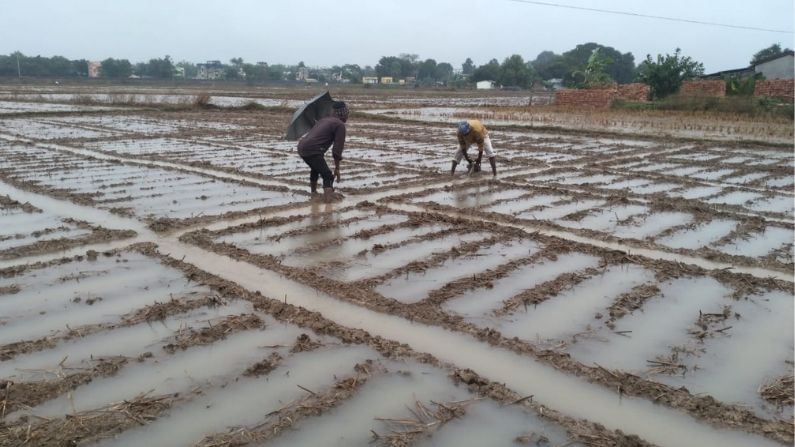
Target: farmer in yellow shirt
pixel 473 132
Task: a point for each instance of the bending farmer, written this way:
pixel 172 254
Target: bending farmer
pixel 469 132
pixel 316 142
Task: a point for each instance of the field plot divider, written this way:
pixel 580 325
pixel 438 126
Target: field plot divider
pixel 151 163
pixel 649 253
pixel 560 391
pixel 574 189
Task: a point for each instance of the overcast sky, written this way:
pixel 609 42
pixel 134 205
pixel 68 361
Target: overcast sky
pixel 323 33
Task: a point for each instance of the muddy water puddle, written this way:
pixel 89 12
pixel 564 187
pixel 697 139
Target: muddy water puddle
pixel 7 107
pixel 652 224
pixel 150 192
pixel 735 198
pixel 486 423
pixel 775 204
pixel 415 286
pixel 556 211
pixel 38 130
pixel 759 244
pixel 514 206
pixel 331 261
pixel 248 400
pixel 697 192
pixel 87 292
pixel 661 325
pixel 573 311
pixel 20 227
pixel 130 341
pixel 476 304
pixel 755 350
pixel 700 236
pixel 177 373
pixel 374 264
pixel 471 197
pixel 606 219
pixel 343 225
pixel 391 395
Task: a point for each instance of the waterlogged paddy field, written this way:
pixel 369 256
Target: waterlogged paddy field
pixel 166 279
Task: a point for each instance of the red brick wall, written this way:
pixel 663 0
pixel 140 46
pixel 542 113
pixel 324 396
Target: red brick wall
pixel 703 88
pixel 776 88
pixel 600 98
pixel 636 92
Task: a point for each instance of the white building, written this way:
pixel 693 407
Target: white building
pixel 779 67
pixel 485 85
pixel 210 70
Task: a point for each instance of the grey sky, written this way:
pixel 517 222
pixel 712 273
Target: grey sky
pixel 361 31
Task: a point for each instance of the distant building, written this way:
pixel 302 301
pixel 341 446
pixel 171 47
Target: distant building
pixel 93 69
pixel 369 80
pixel 485 85
pixel 779 67
pixel 741 72
pixel 776 67
pixel 210 70
pixel 302 74
pixel 179 72
pixel 386 79
pixel 555 84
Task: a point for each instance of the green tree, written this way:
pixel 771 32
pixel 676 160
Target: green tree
pixel 770 52
pixel 515 72
pixel 80 67
pixel 487 72
pixel 426 72
pixel 276 72
pixel 160 68
pixel 444 72
pixel 397 67
pixel 231 72
pixel 468 67
pixel 549 65
pixel 255 72
pixel 665 74
pixel 352 72
pixel 741 85
pixel 594 74
pixel 191 70
pixel 621 68
pixel 115 68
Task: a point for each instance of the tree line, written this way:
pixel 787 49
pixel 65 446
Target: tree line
pixel 586 65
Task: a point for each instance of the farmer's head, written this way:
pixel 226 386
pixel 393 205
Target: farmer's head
pixel 340 110
pixel 463 128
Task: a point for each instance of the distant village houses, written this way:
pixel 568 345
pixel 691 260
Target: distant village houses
pixel 210 70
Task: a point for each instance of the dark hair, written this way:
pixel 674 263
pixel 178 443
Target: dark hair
pixel 339 105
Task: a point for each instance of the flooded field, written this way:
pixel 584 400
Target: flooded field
pixel 167 279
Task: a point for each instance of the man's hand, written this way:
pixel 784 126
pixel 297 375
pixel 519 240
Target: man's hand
pixel 337 173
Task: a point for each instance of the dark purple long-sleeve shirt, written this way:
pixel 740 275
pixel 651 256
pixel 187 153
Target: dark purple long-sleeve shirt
pixel 326 131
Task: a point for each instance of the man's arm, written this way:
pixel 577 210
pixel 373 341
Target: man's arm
pixel 463 145
pixel 339 146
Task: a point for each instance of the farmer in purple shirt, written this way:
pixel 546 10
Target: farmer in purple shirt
pixel 316 142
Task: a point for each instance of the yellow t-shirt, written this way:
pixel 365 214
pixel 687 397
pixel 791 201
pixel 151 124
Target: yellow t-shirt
pixel 476 135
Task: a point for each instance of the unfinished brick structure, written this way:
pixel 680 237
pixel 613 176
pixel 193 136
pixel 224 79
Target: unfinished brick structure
pixel 783 89
pixel 715 89
pixel 602 97
pixel 635 92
